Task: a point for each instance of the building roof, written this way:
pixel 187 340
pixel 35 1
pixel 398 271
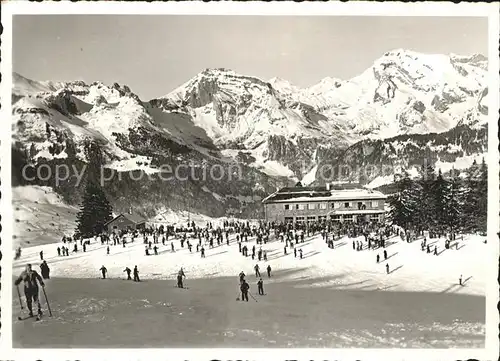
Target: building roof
pixel 131 217
pixel 307 194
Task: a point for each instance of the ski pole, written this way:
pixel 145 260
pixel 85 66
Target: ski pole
pixel 253 297
pixel 20 300
pixel 47 300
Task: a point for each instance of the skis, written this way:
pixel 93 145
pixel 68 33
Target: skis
pixel 36 318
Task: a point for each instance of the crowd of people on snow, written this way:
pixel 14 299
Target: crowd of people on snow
pixel 248 236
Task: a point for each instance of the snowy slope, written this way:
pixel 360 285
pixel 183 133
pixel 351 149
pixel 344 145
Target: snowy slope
pixel 414 270
pixel 40 216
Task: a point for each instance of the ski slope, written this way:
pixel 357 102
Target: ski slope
pixel 341 267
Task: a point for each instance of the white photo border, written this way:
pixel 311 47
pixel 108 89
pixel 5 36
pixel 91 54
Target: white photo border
pixel 490 11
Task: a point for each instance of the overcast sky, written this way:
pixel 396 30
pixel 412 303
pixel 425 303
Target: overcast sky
pixel 155 54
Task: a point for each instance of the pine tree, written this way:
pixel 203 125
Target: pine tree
pixel 482 198
pixel 472 201
pixel 425 217
pixel 440 195
pixel 404 202
pixel 95 211
pixel 454 203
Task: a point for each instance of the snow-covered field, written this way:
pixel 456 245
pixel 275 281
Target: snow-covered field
pixel 41 219
pixel 330 298
pixel 413 270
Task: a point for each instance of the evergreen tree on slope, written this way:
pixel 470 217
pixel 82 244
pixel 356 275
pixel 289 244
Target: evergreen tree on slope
pixel 471 199
pixel 440 196
pixel 404 202
pixel 454 203
pixel 95 211
pixel 425 217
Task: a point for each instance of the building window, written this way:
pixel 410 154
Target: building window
pixel 348 217
pixel 374 204
pixel 322 206
pixel 322 218
pixel 311 219
pixel 347 204
pixel 287 207
pixel 300 207
pixel 311 206
pixel 288 219
pixel 374 218
pixel 335 205
pixel 299 219
pixel 335 217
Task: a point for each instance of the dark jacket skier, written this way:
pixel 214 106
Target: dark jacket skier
pixel 103 271
pixel 136 275
pixel 31 279
pixel 128 270
pixel 45 270
pixel 269 271
pixel 260 286
pixel 180 275
pixel 244 291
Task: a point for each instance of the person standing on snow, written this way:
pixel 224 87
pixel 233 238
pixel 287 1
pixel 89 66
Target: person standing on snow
pixel 269 271
pixel 136 274
pixel 257 272
pixel 128 270
pixel 103 271
pixel 31 279
pixel 180 275
pixel 260 287
pixel 244 290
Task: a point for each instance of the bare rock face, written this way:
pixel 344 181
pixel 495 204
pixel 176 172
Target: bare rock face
pixel 63 102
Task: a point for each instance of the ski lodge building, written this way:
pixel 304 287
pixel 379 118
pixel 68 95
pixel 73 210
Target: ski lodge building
pixel 339 204
pixel 125 221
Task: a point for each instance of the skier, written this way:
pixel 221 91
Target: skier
pixel 257 272
pixel 300 250
pixel 45 270
pixel 265 256
pixel 128 270
pixel 103 271
pixel 435 251
pixel 295 252
pixel 385 254
pixel 59 251
pixel 268 271
pixel 136 275
pixel 172 246
pixel 260 286
pixel 242 277
pixel 460 281
pixel 387 268
pixel 41 255
pixel 180 275
pixel 378 258
pixel 155 249
pixel 202 252
pixel 107 250
pixel 244 290
pixel 31 279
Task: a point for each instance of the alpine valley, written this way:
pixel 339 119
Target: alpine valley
pixel 405 108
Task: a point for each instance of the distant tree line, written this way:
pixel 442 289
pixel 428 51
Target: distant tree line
pixel 438 204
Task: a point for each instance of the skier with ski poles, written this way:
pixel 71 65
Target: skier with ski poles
pixel 31 279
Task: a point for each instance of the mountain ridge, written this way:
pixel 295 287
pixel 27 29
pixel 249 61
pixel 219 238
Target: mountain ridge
pixel 278 132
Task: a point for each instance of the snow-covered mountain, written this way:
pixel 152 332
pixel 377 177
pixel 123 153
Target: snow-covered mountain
pixel 273 129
